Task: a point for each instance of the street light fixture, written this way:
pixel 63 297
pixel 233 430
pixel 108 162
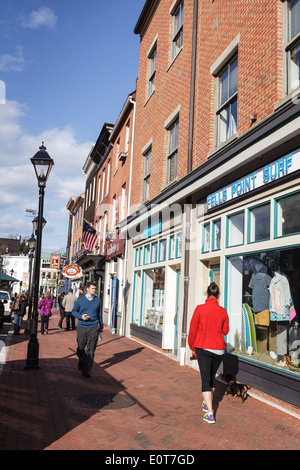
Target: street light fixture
pixel 42 164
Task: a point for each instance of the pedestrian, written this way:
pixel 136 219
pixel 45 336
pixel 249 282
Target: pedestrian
pixel 88 310
pixel 19 309
pixel 61 310
pixel 80 291
pixel 45 305
pixel 209 325
pixel 68 304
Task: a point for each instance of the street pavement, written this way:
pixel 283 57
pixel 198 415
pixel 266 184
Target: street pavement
pixel 137 399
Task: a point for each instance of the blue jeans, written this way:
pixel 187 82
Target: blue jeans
pixel 17 322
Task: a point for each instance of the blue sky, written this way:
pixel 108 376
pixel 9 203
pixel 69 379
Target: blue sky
pixel 67 66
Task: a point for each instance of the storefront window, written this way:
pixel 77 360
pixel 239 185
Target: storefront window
pixel 206 238
pixel 235 229
pixel 216 234
pixel 153 298
pixel 287 215
pixel 137 297
pixel 263 303
pixel 154 252
pixel 147 254
pixel 162 250
pixel 259 223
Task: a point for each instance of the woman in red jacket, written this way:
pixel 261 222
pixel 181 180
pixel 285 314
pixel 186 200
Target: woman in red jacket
pixel 209 325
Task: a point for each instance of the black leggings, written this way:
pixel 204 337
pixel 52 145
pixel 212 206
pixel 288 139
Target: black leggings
pixel 208 365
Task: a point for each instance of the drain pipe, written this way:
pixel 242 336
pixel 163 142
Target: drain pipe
pixel 123 307
pixel 187 231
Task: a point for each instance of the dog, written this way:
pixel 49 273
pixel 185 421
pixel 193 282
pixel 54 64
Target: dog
pixel 236 389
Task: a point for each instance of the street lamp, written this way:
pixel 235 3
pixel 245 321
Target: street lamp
pixel 42 164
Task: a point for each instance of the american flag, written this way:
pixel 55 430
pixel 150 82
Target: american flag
pixel 89 236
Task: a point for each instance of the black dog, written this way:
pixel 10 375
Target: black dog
pixel 236 389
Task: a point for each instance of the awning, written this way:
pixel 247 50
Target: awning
pixel 7 278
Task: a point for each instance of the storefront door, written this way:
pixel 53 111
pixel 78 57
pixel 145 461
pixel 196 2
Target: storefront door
pixel 214 274
pixel 113 303
pixel 176 313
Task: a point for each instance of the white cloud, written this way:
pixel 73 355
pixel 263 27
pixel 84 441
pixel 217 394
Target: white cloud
pixel 18 185
pixel 44 17
pixel 13 63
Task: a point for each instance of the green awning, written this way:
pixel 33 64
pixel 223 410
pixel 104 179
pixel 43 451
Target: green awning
pixel 7 278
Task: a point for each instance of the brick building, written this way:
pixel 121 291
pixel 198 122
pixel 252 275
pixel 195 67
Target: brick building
pixel 112 200
pixel 216 186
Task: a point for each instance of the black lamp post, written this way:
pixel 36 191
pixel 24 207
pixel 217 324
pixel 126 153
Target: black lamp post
pixel 42 164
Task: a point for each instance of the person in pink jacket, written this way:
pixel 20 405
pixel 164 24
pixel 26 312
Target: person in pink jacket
pixel 45 305
pixel 209 325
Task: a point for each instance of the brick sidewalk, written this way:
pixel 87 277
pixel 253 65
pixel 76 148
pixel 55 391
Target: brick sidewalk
pixel 41 409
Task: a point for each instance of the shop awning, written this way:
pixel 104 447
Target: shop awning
pixel 5 277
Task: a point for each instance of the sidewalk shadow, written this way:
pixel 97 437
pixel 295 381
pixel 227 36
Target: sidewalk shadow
pixel 40 407
pixel 119 357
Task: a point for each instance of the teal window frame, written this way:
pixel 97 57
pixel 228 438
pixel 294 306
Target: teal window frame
pixel 160 244
pixel 276 202
pixel 214 222
pixel 228 218
pixel 249 226
pixel 204 227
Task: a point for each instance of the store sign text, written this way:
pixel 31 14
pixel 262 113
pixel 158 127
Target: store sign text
pixel 271 172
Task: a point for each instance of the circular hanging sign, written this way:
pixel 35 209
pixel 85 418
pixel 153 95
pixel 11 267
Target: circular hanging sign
pixel 72 271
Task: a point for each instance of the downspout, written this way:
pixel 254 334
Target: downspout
pixel 123 315
pixel 187 230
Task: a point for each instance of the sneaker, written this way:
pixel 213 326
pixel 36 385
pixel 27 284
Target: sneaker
pixel 204 407
pixel 209 418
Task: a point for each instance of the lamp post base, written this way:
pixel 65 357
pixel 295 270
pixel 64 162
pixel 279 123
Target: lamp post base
pixel 32 361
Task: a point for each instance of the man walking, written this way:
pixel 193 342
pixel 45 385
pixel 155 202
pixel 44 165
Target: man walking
pixel 68 304
pixel 88 310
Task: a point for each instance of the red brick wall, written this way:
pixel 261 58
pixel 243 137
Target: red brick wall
pixel 172 89
pixel 260 58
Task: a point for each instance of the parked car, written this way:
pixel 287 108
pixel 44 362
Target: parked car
pixel 1 313
pixel 6 300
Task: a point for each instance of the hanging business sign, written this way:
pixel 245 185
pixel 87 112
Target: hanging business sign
pixel 72 271
pixel 114 248
pixel 267 174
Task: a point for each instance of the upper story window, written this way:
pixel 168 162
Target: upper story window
pixel 146 175
pixel 152 70
pixel 227 81
pixel 293 45
pixel 172 151
pixel 177 29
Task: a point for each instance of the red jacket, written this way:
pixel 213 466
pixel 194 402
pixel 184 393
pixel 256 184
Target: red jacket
pixel 209 325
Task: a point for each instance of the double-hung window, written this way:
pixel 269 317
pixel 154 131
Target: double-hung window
pixel 172 151
pixel 152 70
pixel 293 45
pixel 177 30
pixel 227 101
pixel 146 175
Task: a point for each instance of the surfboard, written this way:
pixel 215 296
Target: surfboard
pixel 251 326
pixel 247 327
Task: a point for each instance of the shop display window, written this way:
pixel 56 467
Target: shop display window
pixel 137 287
pixel 263 304
pixel 287 215
pixel 259 223
pixel 153 298
pixel 235 229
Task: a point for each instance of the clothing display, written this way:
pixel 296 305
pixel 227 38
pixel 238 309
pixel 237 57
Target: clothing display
pixel 259 283
pixel 280 298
